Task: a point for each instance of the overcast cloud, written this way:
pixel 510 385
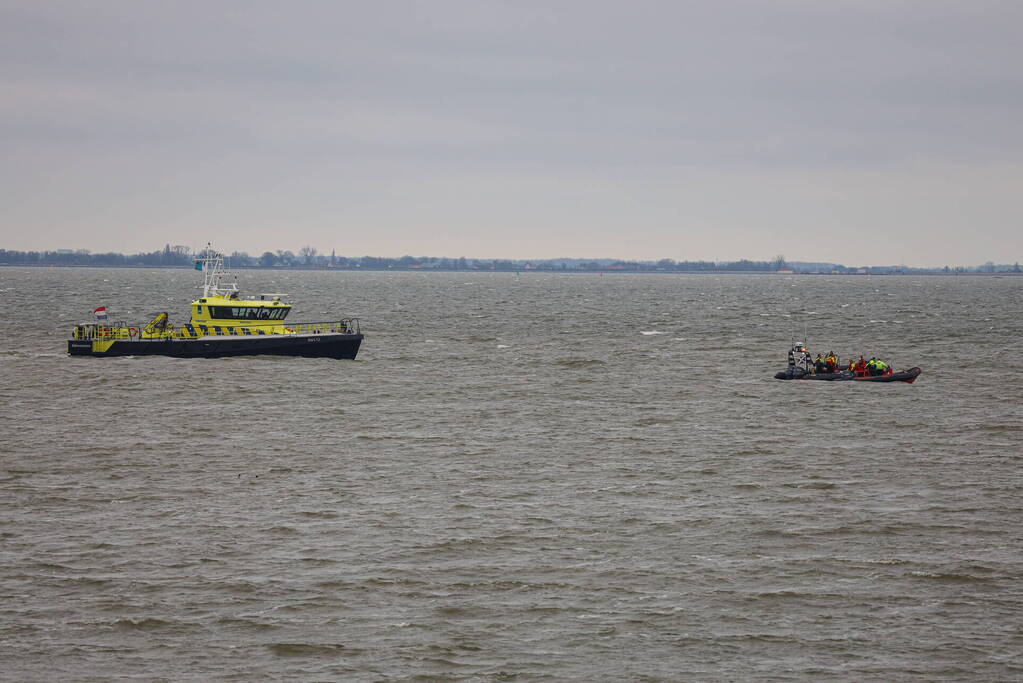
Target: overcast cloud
pixel 858 132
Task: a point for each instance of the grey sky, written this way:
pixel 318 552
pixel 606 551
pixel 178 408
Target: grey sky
pixel 859 132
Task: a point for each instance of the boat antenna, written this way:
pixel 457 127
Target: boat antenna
pixel 211 263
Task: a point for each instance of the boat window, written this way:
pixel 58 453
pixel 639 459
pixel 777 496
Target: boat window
pixel 198 309
pixel 248 312
pixel 224 312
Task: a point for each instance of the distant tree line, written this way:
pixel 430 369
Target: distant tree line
pixel 310 257
pixel 168 256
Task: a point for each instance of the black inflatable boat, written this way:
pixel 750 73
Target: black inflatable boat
pixel 907 376
pixel 802 367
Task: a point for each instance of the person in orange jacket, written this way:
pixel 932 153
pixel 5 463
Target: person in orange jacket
pixel 831 361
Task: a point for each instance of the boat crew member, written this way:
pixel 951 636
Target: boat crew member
pixel 819 364
pixel 831 360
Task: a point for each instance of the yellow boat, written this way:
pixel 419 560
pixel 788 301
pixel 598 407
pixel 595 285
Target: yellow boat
pixel 222 324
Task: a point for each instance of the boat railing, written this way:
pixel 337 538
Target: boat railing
pixel 123 332
pixel 102 331
pixel 347 326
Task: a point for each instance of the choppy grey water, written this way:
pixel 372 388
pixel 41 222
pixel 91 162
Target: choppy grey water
pixel 565 477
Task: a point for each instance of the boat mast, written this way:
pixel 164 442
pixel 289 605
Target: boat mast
pixel 211 263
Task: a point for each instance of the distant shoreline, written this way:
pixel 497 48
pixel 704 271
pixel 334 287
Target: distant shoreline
pixel 308 258
pixel 883 270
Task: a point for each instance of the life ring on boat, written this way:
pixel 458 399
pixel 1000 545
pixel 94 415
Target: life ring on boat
pixel 132 331
pixel 289 330
pixel 103 332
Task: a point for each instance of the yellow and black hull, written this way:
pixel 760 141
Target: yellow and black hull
pixel 327 345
